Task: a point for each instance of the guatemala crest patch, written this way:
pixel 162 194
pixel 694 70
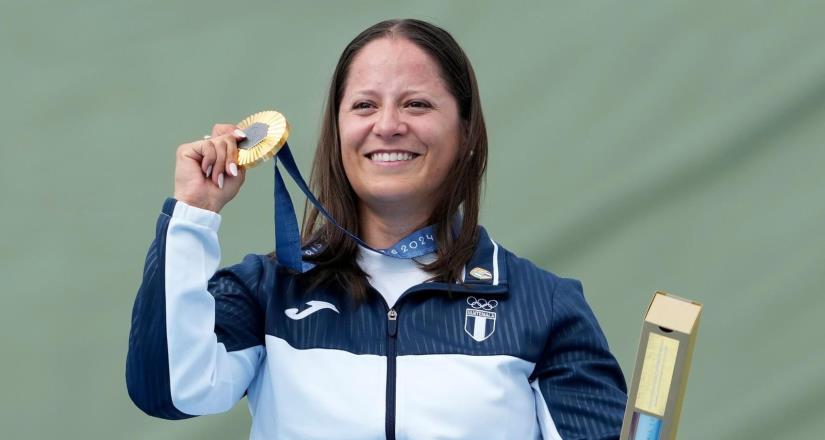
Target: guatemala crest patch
pixel 480 320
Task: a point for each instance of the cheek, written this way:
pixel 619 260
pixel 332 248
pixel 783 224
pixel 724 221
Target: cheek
pixel 348 146
pixel 350 142
pixel 449 141
pixel 344 132
pixel 439 172
pixel 352 134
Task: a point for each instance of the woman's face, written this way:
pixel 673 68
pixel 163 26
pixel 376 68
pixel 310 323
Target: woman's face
pixel 399 127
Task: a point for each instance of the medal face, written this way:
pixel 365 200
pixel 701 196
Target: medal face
pixel 266 132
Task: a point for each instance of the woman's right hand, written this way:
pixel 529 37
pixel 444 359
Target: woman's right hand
pixel 206 172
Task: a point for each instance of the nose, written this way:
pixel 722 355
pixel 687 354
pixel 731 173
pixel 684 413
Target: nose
pixel 389 123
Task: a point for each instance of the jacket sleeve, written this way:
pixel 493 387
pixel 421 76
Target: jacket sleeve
pixel 196 339
pixel 579 387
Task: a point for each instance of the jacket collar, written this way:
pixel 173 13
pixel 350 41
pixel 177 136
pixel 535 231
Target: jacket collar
pixel 485 273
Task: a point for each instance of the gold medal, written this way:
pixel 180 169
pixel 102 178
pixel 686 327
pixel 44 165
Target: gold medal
pixel 266 133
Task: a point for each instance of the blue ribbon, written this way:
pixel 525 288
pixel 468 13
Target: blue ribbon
pixel 288 237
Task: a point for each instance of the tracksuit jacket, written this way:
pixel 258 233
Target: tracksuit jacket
pixel 511 352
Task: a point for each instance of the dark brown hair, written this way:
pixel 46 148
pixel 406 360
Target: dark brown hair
pixel 461 191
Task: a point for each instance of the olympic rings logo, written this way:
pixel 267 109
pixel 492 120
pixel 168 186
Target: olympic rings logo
pixel 482 303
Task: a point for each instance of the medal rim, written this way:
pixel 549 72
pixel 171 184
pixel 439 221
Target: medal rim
pixel 277 134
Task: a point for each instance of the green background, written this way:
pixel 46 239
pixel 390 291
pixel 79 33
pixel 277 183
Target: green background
pixel 633 145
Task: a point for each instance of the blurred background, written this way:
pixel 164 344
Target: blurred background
pixel 673 145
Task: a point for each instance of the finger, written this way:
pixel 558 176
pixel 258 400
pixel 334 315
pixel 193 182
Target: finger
pixel 198 152
pixel 222 129
pixel 220 160
pixel 206 149
pixel 232 156
pixel 189 151
pixel 233 183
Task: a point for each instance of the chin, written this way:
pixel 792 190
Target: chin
pixel 395 195
pixel 391 197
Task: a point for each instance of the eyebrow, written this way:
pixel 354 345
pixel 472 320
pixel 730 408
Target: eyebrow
pixel 372 92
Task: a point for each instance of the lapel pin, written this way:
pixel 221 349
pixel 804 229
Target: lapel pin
pixel 481 274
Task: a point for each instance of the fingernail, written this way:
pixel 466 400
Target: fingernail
pixel 220 181
pixel 208 171
pixel 239 133
pixel 233 169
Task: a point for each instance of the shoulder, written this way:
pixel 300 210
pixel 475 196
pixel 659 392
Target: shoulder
pixel 535 288
pixel 252 272
pixel 524 276
pixel 559 301
pixel 521 276
pixel 562 299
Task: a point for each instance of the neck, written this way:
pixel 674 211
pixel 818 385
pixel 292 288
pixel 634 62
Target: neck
pixel 382 227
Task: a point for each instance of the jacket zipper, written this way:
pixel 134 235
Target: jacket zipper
pixel 392 339
pixel 392 331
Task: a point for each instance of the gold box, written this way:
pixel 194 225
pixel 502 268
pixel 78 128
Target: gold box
pixel 665 350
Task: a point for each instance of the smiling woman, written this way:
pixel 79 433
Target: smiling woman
pixel 427 329
pixel 403 87
pixel 400 135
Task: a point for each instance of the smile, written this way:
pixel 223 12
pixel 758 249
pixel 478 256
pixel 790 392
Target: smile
pixel 394 156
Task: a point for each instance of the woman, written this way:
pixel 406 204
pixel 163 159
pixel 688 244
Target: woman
pixel 465 340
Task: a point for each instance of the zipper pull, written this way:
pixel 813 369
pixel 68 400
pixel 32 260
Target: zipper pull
pixel 392 322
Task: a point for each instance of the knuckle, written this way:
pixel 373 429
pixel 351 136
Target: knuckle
pixel 183 151
pixel 221 128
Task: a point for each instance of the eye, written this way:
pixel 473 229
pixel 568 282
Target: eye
pixel 419 104
pixel 362 105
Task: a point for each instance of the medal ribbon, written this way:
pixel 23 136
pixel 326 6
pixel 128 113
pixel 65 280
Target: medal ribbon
pixel 288 237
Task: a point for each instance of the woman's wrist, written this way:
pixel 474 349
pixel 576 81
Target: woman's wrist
pixel 196 215
pixel 194 202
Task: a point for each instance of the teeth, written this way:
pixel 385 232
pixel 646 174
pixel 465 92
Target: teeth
pixel 391 157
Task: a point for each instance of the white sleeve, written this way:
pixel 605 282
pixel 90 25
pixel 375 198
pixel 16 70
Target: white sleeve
pixel 204 377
